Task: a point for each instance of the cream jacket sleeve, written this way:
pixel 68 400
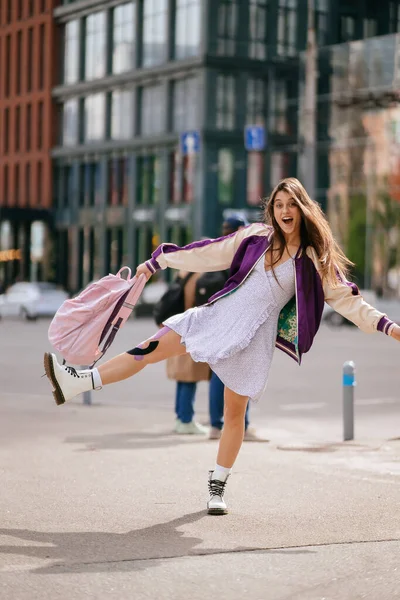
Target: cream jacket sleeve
pixel 205 255
pixel 347 301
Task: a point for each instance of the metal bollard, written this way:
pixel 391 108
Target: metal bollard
pixel 349 382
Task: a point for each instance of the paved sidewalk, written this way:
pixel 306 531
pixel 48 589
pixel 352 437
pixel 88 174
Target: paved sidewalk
pixel 95 504
pixel 105 502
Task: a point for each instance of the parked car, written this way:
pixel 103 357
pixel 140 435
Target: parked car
pixel 30 300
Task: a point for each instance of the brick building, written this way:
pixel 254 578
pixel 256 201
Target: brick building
pixel 27 66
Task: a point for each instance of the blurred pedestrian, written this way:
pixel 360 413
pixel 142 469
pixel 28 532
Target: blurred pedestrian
pixel 186 372
pixel 281 273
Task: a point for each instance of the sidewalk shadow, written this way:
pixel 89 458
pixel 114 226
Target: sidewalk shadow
pixel 132 441
pixel 96 552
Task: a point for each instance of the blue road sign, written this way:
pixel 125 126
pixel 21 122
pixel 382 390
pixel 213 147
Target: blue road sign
pixel 254 137
pixel 190 142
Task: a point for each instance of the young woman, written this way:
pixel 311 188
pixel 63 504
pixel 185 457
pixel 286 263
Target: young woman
pixel 281 272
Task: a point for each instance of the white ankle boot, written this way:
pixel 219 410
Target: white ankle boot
pixel 216 504
pixel 67 382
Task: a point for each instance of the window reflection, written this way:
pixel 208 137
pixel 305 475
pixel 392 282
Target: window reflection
pixel 95 106
pixel 118 181
pixel 257 29
pixel 70 122
pixel 95 64
pixel 154 32
pixel 185 103
pixel 152 110
pixel 148 182
pixel 225 102
pixel 187 28
pixel 227 27
pixel 71 52
pixel 256 101
pixel 122 114
pixel 287 28
pixel 123 37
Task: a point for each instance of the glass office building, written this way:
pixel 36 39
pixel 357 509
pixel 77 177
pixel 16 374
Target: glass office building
pixel 153 99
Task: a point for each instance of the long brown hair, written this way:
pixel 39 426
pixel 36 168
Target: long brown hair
pixel 315 231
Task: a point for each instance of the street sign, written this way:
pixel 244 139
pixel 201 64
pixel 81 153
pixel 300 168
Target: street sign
pixel 254 137
pixel 190 142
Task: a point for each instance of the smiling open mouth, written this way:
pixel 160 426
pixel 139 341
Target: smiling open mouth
pixel 287 220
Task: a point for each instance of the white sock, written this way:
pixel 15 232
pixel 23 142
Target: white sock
pixel 97 383
pixel 221 473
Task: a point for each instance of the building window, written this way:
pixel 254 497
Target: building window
pixel 5 186
pixel 154 32
pixel 258 29
pixel 16 185
pixel 394 17
pixel 39 180
pixel 321 21
pixel 95 114
pixel 225 102
pixel 347 28
pixel 95 46
pixel 7 72
pixel 118 182
pixel 92 184
pixel 28 127
pixel 20 13
pixel 187 28
pixel 70 122
pixel 123 38
pixel 31 8
pixel 42 56
pixel 28 190
pixel 152 110
pixel 9 12
pixel 256 102
pixel 227 27
pixel 225 176
pixel 287 28
pixel 283 107
pixel 40 124
pixel 370 27
pixel 6 142
pixel 17 128
pixel 30 60
pixel 71 52
pixel 19 65
pixel 122 114
pixel 148 180
pixel 185 104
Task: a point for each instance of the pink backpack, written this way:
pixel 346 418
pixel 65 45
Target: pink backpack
pixel 84 327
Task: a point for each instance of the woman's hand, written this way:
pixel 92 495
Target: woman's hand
pixel 142 269
pixel 395 333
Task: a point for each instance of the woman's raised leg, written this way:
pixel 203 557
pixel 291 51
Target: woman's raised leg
pixel 162 345
pixel 69 382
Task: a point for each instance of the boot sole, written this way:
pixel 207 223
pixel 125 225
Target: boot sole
pixel 49 369
pixel 217 511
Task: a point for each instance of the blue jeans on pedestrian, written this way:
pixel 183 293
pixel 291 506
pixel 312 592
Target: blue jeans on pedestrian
pixel 216 403
pixel 184 400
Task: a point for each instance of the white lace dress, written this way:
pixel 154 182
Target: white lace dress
pixel 236 335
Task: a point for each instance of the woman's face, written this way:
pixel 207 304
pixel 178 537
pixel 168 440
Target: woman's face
pixel 287 214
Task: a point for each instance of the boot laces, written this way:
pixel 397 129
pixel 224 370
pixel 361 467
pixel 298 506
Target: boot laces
pixel 216 487
pixel 71 371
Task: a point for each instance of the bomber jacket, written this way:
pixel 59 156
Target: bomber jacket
pixel 300 319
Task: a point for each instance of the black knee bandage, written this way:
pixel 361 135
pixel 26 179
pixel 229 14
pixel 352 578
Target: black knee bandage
pixel 142 351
